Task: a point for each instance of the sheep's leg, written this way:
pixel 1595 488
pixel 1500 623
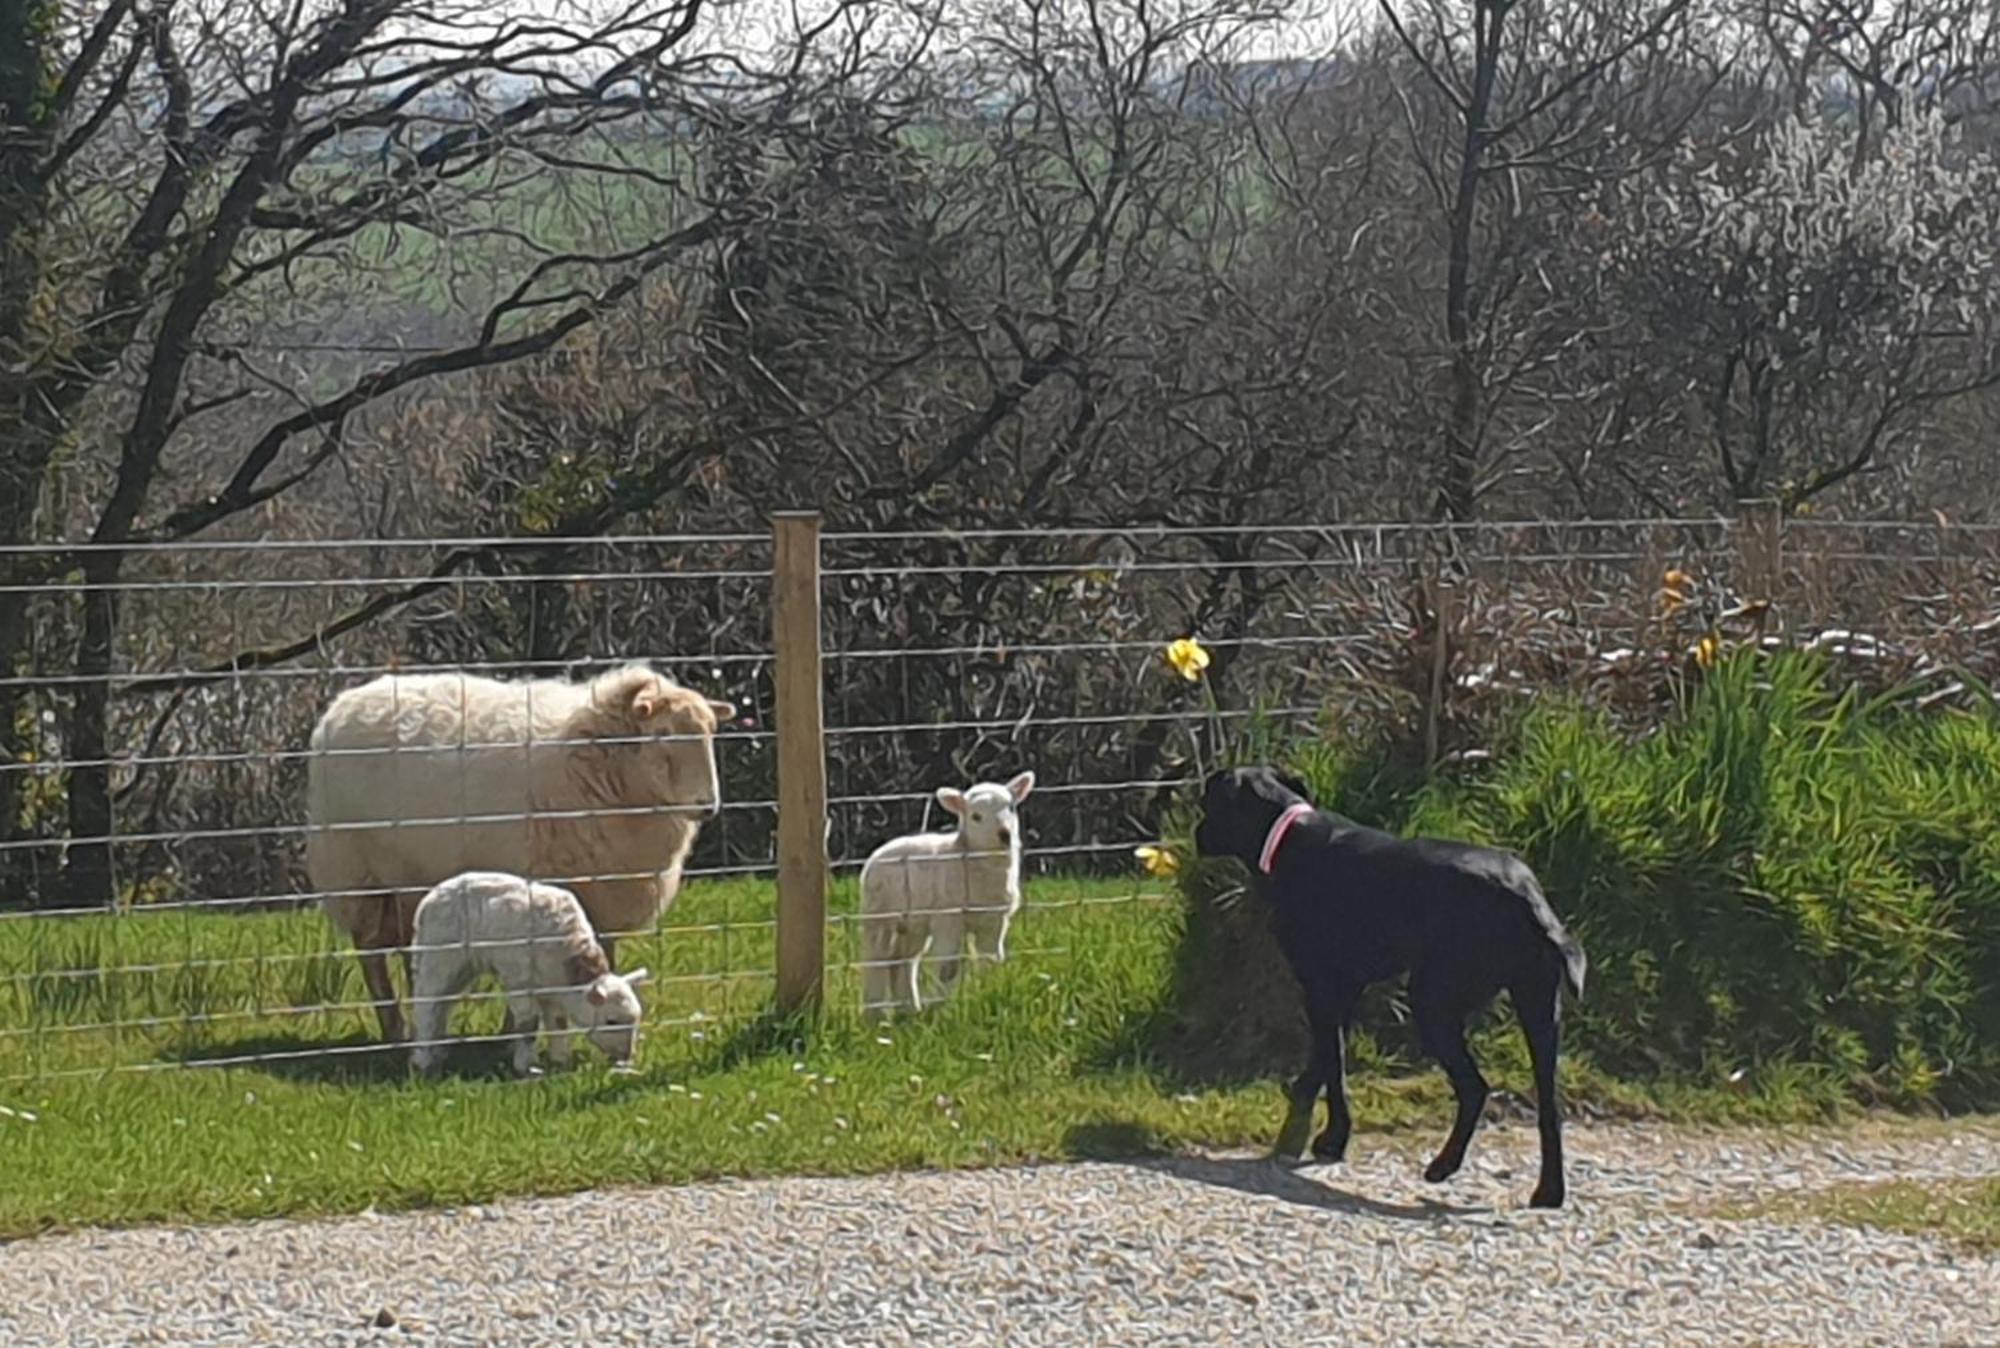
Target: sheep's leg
pixel 382 991
pixel 521 1014
pixel 620 907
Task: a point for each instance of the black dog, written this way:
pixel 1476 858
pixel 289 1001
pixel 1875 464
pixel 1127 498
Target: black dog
pixel 1352 906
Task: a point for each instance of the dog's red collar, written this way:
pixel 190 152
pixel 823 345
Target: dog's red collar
pixel 1276 836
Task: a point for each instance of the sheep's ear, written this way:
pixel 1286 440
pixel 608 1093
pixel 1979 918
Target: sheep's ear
pixel 952 799
pixel 1021 786
pixel 597 996
pixel 722 711
pixel 638 976
pixel 646 702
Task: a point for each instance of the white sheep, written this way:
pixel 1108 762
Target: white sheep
pixel 416 778
pixel 537 941
pixel 929 893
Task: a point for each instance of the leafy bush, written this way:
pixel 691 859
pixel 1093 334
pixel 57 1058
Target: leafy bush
pixel 1782 876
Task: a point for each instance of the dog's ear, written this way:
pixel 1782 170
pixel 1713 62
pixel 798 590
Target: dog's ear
pixel 1293 783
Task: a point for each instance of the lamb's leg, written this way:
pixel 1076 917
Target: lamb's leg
pixel 431 995
pixel 994 927
pixel 988 931
pixel 948 950
pixel 911 970
pixel 879 955
pixel 521 1015
pixel 561 1041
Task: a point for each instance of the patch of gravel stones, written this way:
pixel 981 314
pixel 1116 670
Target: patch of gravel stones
pixel 1193 1250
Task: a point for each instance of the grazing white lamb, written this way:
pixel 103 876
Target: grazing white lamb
pixel 600 785
pixel 929 892
pixel 536 940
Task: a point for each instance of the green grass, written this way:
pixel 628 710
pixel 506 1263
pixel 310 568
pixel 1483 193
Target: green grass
pixel 1047 1056
pixel 1964 1211
pixel 1791 901
pixel 1021 1064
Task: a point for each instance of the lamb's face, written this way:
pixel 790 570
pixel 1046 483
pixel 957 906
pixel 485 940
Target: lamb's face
pixel 614 1015
pixel 989 814
pixel 683 724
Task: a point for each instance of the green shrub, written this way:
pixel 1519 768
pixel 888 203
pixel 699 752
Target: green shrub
pixel 1780 877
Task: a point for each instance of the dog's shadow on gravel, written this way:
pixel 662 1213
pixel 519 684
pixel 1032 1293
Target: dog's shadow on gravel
pixel 1133 1145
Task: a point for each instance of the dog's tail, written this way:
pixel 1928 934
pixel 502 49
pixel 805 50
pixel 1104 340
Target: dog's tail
pixel 1574 963
pixel 1566 945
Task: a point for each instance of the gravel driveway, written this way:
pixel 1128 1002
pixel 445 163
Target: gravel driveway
pixel 1196 1250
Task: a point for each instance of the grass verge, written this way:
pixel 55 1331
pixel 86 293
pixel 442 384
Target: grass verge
pixel 1963 1211
pixel 1050 1055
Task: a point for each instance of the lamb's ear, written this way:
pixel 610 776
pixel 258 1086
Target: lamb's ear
pixel 638 976
pixel 1021 786
pixel 952 799
pixel 597 996
pixel 722 711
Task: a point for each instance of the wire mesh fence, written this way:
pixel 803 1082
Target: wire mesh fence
pixel 158 908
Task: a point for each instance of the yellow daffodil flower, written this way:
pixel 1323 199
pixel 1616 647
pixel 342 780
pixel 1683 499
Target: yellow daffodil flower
pixel 1188 658
pixel 1674 588
pixel 1160 861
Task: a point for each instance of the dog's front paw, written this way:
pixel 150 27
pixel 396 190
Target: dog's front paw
pixel 1547 1196
pixel 1440 1170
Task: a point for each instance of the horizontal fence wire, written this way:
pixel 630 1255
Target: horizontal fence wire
pixel 158 908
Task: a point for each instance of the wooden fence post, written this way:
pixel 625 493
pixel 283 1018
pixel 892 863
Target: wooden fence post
pixel 1760 543
pixel 802 833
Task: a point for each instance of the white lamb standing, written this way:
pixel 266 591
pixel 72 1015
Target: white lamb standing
pixel 415 778
pixel 537 941
pixel 927 893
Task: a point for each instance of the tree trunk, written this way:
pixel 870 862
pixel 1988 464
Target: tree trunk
pixel 1458 480
pixel 87 876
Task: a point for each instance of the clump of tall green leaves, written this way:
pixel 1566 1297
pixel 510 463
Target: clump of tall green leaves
pixel 1782 873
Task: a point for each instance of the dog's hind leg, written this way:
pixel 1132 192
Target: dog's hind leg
pixel 1441 1026
pixel 1328 1010
pixel 1538 1006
